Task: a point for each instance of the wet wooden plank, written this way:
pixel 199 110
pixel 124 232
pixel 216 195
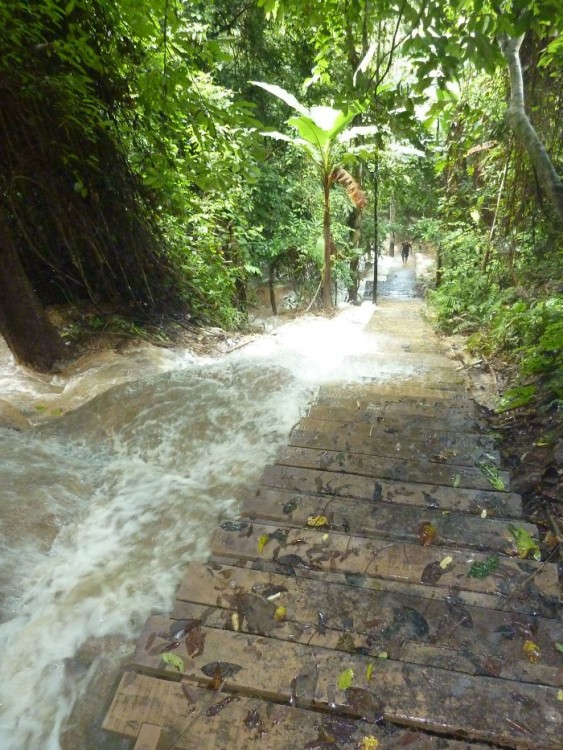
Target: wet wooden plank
pixel 426 448
pixel 403 397
pixel 405 627
pixel 397 418
pixel 149 738
pixel 407 430
pixel 195 718
pixel 384 467
pixel 528 600
pixel 383 520
pixel 314 481
pixel 374 558
pixel 480 708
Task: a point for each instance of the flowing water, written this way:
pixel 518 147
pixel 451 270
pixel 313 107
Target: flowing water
pixel 103 506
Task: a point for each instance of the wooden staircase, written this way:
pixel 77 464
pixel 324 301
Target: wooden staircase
pixel 367 597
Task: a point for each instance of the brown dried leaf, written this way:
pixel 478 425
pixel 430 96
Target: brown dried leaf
pixel 195 642
pixel 432 573
pixel 365 703
pixel 427 533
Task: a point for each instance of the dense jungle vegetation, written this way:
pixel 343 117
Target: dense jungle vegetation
pixel 136 180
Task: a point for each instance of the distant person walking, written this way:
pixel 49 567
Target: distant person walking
pixel 405 250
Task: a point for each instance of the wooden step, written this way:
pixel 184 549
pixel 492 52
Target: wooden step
pixel 407 430
pixel 399 392
pixel 383 520
pixel 384 467
pixel 443 567
pixel 410 374
pixel 405 628
pixel 194 718
pixel 398 418
pixel 424 449
pixel 476 707
pixel 430 496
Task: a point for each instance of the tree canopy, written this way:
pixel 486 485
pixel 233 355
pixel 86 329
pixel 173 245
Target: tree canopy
pixel 134 176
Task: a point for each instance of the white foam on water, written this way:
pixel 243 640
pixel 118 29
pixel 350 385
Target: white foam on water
pixel 103 508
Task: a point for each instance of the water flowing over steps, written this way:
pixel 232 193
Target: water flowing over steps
pixel 321 621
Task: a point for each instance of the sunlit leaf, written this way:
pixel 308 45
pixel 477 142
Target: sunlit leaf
pixel 310 131
pixel 532 651
pixel 369 743
pixel 457 480
pixel 280 614
pixel 346 678
pixel 174 661
pixel 446 562
pixel 559 647
pixel 560 695
pixel 383 655
pixel 524 544
pixel 369 672
pixel 282 94
pixel 316 521
pixel 262 541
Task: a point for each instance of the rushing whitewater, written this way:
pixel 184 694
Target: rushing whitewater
pixel 103 506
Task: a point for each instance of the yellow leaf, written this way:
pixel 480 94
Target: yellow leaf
pixel 446 562
pixel 280 613
pixel 235 622
pixel 369 672
pixel 317 521
pixel 262 542
pixel 346 678
pixel 369 743
pixel 484 513
pixel 560 695
pixel 325 537
pixel 532 650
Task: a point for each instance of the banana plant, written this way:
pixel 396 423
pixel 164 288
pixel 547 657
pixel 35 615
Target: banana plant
pixel 322 135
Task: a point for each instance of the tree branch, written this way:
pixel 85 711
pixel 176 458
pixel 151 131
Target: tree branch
pixel 525 132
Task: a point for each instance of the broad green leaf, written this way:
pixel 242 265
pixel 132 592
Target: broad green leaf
pixel 283 95
pixel 310 131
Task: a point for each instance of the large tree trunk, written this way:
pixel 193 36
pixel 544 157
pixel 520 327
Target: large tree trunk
pixel 32 338
pixel 524 130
